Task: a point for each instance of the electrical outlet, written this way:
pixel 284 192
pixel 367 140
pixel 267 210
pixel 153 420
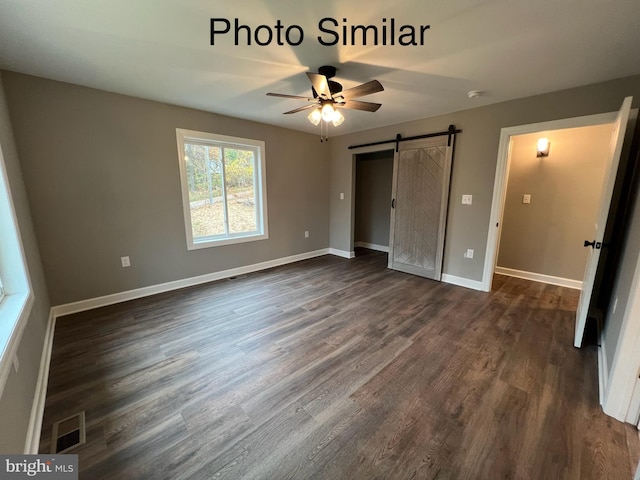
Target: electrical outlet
pixel 468 253
pixel 125 261
pixel 16 364
pixel 341 196
pixel 306 234
pixel 526 198
pixel 467 199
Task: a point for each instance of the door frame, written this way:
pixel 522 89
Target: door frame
pixel 352 218
pixel 354 159
pixel 502 175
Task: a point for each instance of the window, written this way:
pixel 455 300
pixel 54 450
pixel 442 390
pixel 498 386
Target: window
pixel 16 296
pixel 223 189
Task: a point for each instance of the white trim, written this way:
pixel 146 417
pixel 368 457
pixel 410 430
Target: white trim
pixel 342 253
pixel 372 246
pixel 603 371
pixel 633 415
pixel 92 303
pixel 18 298
pixel 32 443
pixel 462 282
pixel 502 171
pixel 626 359
pixel 540 277
pixel 15 308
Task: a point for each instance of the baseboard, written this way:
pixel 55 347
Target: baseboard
pixel 462 282
pixel 342 253
pixel 32 442
pixel 83 305
pixel 372 246
pixel 540 277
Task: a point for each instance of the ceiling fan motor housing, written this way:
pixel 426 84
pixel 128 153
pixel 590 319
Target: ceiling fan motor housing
pixel 328 71
pixel 329 92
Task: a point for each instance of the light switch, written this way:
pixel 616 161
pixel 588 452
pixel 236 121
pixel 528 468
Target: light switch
pixel 341 196
pixel 467 199
pixel 526 198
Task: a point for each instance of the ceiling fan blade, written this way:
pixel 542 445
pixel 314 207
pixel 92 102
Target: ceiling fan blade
pixel 357 105
pixel 320 84
pixel 308 99
pixel 368 88
pixel 306 107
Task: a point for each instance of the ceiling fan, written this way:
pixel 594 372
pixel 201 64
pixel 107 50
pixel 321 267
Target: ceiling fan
pixel 328 97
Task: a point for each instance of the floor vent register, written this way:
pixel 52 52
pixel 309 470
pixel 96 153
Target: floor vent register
pixel 68 433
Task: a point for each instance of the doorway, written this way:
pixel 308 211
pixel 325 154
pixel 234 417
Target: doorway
pixel 374 173
pixel 502 174
pixel 551 204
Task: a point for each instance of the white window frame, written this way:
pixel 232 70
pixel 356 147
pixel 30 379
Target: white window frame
pixel 260 185
pixel 17 301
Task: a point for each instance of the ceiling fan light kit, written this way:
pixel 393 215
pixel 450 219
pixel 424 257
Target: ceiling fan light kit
pixel 315 116
pixel 328 97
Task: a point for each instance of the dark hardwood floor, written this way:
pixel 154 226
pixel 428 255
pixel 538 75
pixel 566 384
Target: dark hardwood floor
pixel 336 369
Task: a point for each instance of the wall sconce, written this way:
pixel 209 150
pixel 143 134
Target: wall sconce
pixel 543 147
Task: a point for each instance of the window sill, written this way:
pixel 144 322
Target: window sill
pixel 14 314
pixel 226 241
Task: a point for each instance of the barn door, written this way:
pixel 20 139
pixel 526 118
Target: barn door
pixel 421 174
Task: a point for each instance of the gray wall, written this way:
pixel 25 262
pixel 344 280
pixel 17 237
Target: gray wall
pixel 102 178
pixel 374 175
pixel 546 236
pixel 474 161
pixel 17 397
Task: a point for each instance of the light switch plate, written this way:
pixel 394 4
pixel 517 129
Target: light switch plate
pixel 467 199
pixel 526 198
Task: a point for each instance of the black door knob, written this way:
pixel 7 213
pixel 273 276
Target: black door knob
pixel 587 243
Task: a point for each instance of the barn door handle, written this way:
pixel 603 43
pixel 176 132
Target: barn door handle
pixel 593 244
pixel 393 203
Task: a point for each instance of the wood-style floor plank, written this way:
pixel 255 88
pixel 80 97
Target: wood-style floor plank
pixel 335 369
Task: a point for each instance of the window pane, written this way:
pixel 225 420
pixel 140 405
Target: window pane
pixel 241 192
pixel 204 175
pixel 223 189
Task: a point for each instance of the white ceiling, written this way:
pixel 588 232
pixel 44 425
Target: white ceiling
pixel 160 50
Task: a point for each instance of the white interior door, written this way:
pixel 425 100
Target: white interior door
pixel 617 139
pixel 421 174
